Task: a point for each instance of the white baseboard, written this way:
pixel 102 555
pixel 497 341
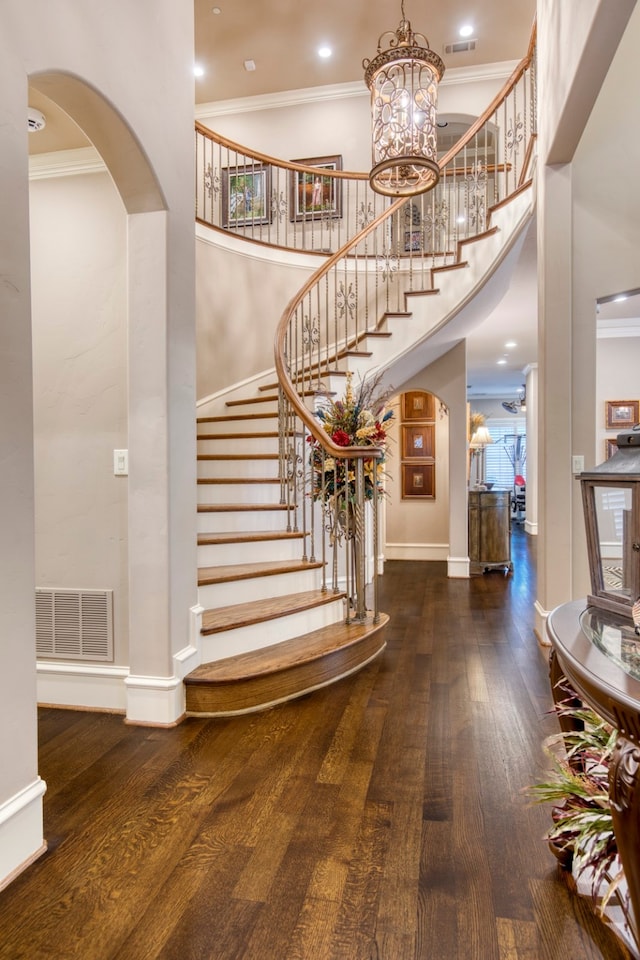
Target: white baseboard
pixel 416 551
pixel 531 528
pixel 21 832
pixel 155 701
pixel 86 686
pixel 458 568
pixel 540 627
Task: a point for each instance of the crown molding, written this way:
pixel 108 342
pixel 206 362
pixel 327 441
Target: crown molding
pixel 342 91
pixel 622 327
pixel 65 163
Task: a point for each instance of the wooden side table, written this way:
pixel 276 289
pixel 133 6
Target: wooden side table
pixel 599 654
pixel 490 530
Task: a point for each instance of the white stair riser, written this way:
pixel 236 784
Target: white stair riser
pixel 258 588
pixel 239 425
pixel 257 551
pixel 223 444
pixel 217 646
pixel 248 408
pixel 237 468
pixel 227 522
pixel 238 493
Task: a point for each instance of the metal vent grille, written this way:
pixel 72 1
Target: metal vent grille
pixel 460 46
pixel 74 624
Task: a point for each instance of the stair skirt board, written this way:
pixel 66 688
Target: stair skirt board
pixel 249 683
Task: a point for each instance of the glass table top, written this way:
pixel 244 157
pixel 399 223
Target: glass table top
pixel 614 637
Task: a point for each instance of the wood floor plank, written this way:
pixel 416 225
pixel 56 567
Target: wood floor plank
pixel 378 819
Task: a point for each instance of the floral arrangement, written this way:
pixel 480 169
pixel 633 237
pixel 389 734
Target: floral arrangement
pixel 359 419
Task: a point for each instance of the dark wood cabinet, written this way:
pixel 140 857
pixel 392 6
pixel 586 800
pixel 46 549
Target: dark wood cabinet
pixel 489 530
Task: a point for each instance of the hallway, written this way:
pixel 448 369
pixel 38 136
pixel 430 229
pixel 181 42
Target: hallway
pixel 379 819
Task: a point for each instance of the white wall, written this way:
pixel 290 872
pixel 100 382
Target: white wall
pixel 336 120
pixel 241 292
pixel 618 363
pixel 587 240
pixel 93 62
pixel 78 274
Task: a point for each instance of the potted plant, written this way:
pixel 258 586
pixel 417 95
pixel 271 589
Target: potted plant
pixel 581 835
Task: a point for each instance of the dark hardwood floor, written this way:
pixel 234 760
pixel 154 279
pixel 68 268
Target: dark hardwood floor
pixel 379 819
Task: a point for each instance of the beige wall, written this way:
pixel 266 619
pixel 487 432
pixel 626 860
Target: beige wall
pixel 587 237
pixel 418 529
pixel 340 122
pixel 618 363
pixel 113 95
pixel 241 294
pixel 78 275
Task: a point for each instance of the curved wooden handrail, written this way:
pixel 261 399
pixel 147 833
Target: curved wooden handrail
pixel 291 395
pixel 499 98
pixel 283 377
pixel 272 161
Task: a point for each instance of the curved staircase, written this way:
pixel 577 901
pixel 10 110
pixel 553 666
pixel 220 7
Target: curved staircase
pixel 271 630
pixel 276 622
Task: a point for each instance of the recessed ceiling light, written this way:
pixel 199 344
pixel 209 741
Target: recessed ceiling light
pixel 324 52
pixel 466 30
pixel 501 362
pixel 216 10
pixel 510 344
pixel 198 71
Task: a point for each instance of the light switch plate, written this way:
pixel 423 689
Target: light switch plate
pixel 121 463
pixel 577 464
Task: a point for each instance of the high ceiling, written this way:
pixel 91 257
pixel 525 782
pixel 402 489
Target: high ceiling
pixel 282 38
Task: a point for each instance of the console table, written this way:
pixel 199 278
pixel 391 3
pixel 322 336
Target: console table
pixel 599 654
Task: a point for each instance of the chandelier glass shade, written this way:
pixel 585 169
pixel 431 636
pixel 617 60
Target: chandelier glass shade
pixel 403 79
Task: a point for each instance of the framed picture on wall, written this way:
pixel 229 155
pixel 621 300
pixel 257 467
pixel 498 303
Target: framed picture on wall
pixel 621 414
pixel 611 447
pixel 418 481
pixel 246 195
pixel 314 195
pixel 418 441
pixel 418 405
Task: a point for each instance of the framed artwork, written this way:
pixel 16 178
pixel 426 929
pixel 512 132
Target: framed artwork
pixel 621 414
pixel 246 194
pixel 312 195
pixel 418 481
pixel 418 441
pixel 418 405
pixel 611 447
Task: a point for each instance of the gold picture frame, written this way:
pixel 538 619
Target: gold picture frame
pixel 315 195
pixel 621 414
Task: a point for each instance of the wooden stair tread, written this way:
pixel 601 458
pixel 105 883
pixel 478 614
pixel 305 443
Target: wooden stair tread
pixel 247 571
pixel 294 652
pixel 251 536
pixel 241 507
pixel 259 611
pixel 266 399
pixel 236 436
pixel 238 416
pixel 237 456
pixel 450 266
pixel 218 480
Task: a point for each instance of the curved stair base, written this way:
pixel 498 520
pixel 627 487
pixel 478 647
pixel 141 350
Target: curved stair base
pixel 272 675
